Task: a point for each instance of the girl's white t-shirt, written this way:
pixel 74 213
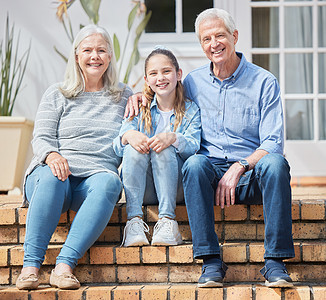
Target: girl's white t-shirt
pixel 164 124
pixel 164 121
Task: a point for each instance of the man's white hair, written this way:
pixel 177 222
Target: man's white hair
pixel 215 13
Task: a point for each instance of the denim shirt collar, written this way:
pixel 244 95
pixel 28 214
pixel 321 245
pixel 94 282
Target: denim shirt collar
pixel 154 102
pixel 236 73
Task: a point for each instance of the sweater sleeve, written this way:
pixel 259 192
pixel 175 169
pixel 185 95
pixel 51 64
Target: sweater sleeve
pixel 45 138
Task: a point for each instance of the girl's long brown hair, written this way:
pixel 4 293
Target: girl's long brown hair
pixel 179 103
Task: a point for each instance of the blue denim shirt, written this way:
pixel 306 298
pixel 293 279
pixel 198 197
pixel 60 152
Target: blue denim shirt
pixel 188 132
pixel 240 114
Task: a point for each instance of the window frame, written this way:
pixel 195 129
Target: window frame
pixel 282 51
pixel 304 156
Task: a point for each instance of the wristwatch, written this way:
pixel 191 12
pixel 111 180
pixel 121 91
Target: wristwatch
pixel 244 163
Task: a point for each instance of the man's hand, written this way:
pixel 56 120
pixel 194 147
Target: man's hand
pixel 225 192
pixel 132 108
pixel 58 165
pixel 137 140
pixel 161 141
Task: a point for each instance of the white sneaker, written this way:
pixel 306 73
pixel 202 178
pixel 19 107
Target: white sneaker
pixel 166 233
pixel 134 233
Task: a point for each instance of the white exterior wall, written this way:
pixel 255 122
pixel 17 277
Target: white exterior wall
pixel 37 22
pixel 36 19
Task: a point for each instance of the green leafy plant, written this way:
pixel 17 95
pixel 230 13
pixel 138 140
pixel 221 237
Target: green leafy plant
pixel 12 69
pixel 91 8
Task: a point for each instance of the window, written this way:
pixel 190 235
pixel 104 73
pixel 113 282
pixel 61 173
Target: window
pixel 172 25
pixel 289 39
pixel 175 16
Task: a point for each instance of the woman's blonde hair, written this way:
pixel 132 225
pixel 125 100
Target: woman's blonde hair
pixel 74 82
pixel 179 103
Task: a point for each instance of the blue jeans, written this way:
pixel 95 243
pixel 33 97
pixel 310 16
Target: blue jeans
pixel 267 183
pixel 93 198
pixel 151 178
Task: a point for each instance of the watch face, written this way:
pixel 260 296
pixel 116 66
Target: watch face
pixel 244 163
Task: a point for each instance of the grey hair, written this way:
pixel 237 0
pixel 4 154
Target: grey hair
pixel 74 82
pixel 215 13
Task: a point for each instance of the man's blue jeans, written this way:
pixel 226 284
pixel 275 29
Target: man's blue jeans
pixel 93 198
pixel 267 183
pixel 150 179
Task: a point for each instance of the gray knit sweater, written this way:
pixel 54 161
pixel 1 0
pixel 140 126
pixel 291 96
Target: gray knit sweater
pixel 81 129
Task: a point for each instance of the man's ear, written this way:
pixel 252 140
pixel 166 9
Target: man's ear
pixel 235 36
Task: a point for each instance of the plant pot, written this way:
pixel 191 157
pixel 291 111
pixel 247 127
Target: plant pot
pixel 15 137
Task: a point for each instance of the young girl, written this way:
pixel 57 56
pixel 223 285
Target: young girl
pixel 154 145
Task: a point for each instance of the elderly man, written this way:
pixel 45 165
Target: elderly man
pixel 241 157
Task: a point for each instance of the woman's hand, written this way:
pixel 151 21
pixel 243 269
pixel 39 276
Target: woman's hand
pixel 137 140
pixel 161 141
pixel 58 165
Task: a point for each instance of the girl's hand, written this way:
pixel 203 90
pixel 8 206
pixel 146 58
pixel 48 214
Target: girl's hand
pixel 58 165
pixel 161 141
pixel 137 140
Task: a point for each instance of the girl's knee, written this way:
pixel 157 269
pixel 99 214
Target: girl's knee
pixel 131 153
pixel 167 155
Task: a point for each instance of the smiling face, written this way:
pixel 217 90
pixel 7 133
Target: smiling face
pixel 217 42
pixel 93 59
pixel 162 77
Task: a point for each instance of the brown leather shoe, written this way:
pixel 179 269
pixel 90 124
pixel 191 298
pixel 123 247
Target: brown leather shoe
pixel 27 282
pixel 66 281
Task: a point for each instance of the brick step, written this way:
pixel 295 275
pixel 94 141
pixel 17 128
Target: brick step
pixel 174 264
pixel 234 223
pixel 171 292
pixel 240 229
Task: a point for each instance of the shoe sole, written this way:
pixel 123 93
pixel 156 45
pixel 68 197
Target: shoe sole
pixel 209 284
pixel 136 244
pixel 279 283
pixel 27 286
pixel 165 243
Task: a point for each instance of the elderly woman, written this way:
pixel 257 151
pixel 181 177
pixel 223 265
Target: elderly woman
pixel 74 165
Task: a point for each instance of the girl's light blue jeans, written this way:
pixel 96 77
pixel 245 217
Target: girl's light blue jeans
pixel 93 198
pixel 150 179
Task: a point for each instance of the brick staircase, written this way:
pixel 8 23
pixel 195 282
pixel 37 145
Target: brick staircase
pixel 110 272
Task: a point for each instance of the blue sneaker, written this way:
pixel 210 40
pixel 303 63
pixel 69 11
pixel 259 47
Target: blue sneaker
pixel 276 274
pixel 212 274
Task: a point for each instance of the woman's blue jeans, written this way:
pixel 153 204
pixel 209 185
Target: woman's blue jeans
pixel 267 183
pixel 93 198
pixel 150 179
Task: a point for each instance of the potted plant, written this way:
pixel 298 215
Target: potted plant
pixel 15 132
